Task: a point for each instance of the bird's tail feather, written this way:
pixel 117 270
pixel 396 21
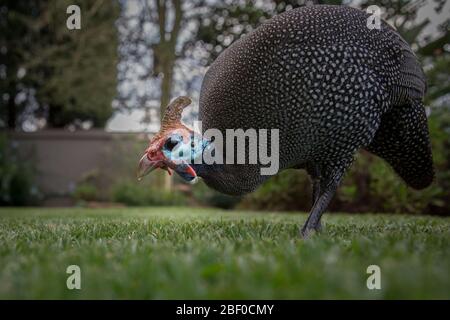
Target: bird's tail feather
pixel 403 141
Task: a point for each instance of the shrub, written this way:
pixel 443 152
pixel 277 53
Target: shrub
pixel 135 194
pixel 209 197
pixel 86 191
pixel 289 190
pixel 17 186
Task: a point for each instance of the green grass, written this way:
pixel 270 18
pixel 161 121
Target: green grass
pixel 204 253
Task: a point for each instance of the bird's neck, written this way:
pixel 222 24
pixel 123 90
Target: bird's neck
pixel 203 169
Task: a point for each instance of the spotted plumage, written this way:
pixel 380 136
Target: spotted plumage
pixel 331 86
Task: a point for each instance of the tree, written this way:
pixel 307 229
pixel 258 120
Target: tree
pixel 15 38
pixel 55 73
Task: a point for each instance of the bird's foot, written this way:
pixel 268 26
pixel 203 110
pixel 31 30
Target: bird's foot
pixel 308 231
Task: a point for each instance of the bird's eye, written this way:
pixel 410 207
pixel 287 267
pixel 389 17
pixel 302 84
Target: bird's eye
pixel 170 144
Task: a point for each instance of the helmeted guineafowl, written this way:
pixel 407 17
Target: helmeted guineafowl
pixel 329 84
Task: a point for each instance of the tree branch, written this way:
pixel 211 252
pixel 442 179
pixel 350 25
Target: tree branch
pixel 177 23
pixel 161 8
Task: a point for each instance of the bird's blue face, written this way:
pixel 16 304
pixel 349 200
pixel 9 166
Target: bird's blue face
pixel 181 153
pixel 176 150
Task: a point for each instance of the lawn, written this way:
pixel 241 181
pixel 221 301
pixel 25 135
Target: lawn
pixel 158 253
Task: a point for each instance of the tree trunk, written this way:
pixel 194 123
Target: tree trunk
pixel 166 89
pixel 165 56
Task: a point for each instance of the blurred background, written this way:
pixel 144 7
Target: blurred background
pixel 77 106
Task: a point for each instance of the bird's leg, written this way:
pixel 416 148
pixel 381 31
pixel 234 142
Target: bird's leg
pixel 315 198
pixel 314 173
pixel 327 190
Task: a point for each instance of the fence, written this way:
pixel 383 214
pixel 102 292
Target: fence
pixel 62 159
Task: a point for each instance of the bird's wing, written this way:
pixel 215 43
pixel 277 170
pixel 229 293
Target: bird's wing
pixel 403 141
pixel 411 81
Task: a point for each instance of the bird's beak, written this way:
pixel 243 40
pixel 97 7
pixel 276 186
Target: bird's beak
pixel 146 166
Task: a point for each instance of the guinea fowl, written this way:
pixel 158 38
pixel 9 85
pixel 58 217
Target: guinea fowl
pixel 330 85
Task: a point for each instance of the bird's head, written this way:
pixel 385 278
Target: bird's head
pixel 174 147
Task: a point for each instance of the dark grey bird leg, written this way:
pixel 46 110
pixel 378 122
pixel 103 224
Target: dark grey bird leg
pixel 327 190
pixel 316 190
pixel 314 173
pixel 315 196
